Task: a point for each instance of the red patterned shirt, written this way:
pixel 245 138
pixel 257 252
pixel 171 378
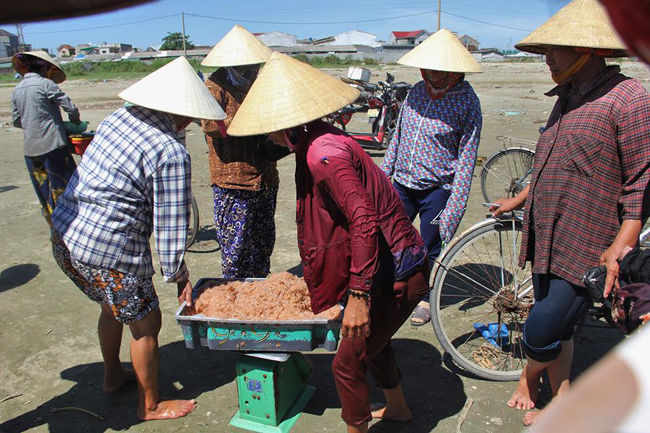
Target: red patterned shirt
pixel 591 171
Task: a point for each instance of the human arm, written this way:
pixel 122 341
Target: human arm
pixel 634 201
pixel 171 211
pixel 336 175
pixel 56 95
pixel 464 170
pixel 15 114
pixel 627 238
pixel 510 204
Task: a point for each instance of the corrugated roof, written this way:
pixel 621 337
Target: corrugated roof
pixel 409 34
pixel 3 32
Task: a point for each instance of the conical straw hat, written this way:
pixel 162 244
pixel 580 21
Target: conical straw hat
pixel 442 51
pixel 581 23
pixel 19 65
pixel 289 93
pixel 238 47
pixel 177 89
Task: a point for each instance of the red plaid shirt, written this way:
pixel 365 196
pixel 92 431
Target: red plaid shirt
pixel 591 171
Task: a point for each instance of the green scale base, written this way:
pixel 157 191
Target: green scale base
pixel 272 391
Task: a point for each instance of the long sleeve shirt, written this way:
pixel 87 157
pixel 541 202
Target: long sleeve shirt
pixel 236 162
pixel 345 206
pixel 435 145
pixel 134 179
pixel 35 106
pixel 591 172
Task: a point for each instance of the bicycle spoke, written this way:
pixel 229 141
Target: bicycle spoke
pixel 478 283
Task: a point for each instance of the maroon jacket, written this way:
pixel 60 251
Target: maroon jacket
pixel 345 203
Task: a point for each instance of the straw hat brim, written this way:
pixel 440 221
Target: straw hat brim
pixel 289 93
pixel 19 66
pixel 239 47
pixel 42 10
pixel 176 89
pixel 582 24
pixel 442 51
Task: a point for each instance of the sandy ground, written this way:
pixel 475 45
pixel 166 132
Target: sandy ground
pixel 49 353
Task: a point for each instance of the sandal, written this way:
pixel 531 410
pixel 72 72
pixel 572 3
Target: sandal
pixel 421 315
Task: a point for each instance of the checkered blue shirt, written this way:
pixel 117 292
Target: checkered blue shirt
pixel 435 145
pixel 134 179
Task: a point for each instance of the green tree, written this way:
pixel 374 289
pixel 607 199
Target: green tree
pixel 174 41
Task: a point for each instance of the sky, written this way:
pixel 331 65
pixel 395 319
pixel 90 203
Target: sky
pixel 496 23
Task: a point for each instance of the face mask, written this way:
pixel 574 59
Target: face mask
pixel 439 82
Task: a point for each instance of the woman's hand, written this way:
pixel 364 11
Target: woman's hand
pixel 627 238
pixel 510 204
pixel 610 259
pixel 356 318
pixel 184 292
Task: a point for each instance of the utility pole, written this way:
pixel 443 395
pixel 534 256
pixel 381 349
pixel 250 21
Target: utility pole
pixel 184 47
pixel 21 38
pixel 439 1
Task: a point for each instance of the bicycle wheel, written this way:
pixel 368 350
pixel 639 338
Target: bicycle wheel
pixel 193 229
pixel 481 299
pixel 506 173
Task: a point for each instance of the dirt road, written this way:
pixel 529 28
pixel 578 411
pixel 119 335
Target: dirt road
pixel 49 355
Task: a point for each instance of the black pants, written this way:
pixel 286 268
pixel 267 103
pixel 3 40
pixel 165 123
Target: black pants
pixel 559 305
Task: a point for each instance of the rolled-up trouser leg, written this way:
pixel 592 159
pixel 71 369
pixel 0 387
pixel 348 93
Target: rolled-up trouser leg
pixel 559 305
pixel 388 311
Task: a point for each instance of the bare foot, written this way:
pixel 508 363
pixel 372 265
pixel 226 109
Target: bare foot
pixel 168 409
pixel 118 379
pixel 525 395
pixel 530 417
pixel 388 413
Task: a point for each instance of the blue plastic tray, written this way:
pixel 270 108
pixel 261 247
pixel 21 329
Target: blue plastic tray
pixel 256 336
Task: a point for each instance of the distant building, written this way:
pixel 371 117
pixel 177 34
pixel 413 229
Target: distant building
pixel 472 44
pixel 8 44
pixel 86 49
pixel 113 48
pixel 66 50
pixel 413 37
pixel 277 39
pixel 353 37
pixel 488 55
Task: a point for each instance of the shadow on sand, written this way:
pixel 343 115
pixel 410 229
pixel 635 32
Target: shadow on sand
pixel 16 276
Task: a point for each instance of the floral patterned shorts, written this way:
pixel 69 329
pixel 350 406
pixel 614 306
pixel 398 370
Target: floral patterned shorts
pixel 130 297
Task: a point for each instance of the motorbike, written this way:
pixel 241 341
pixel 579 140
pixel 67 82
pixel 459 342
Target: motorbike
pixel 381 103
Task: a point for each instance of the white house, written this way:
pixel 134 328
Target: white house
pixel 277 39
pixel 488 55
pixel 353 37
pixel 413 37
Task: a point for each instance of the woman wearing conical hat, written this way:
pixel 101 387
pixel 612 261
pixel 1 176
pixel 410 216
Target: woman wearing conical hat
pixel 587 199
pixel 135 180
pixel 356 242
pixel 432 154
pixel 35 104
pixel 243 170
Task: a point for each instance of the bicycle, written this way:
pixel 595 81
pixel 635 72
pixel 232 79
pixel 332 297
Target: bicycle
pixel 480 298
pixel 507 172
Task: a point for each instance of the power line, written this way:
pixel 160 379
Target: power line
pixel 485 22
pixel 105 27
pixel 316 23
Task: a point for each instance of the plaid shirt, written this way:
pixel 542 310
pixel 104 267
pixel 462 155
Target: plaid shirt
pixel 134 178
pixel 591 171
pixel 435 145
